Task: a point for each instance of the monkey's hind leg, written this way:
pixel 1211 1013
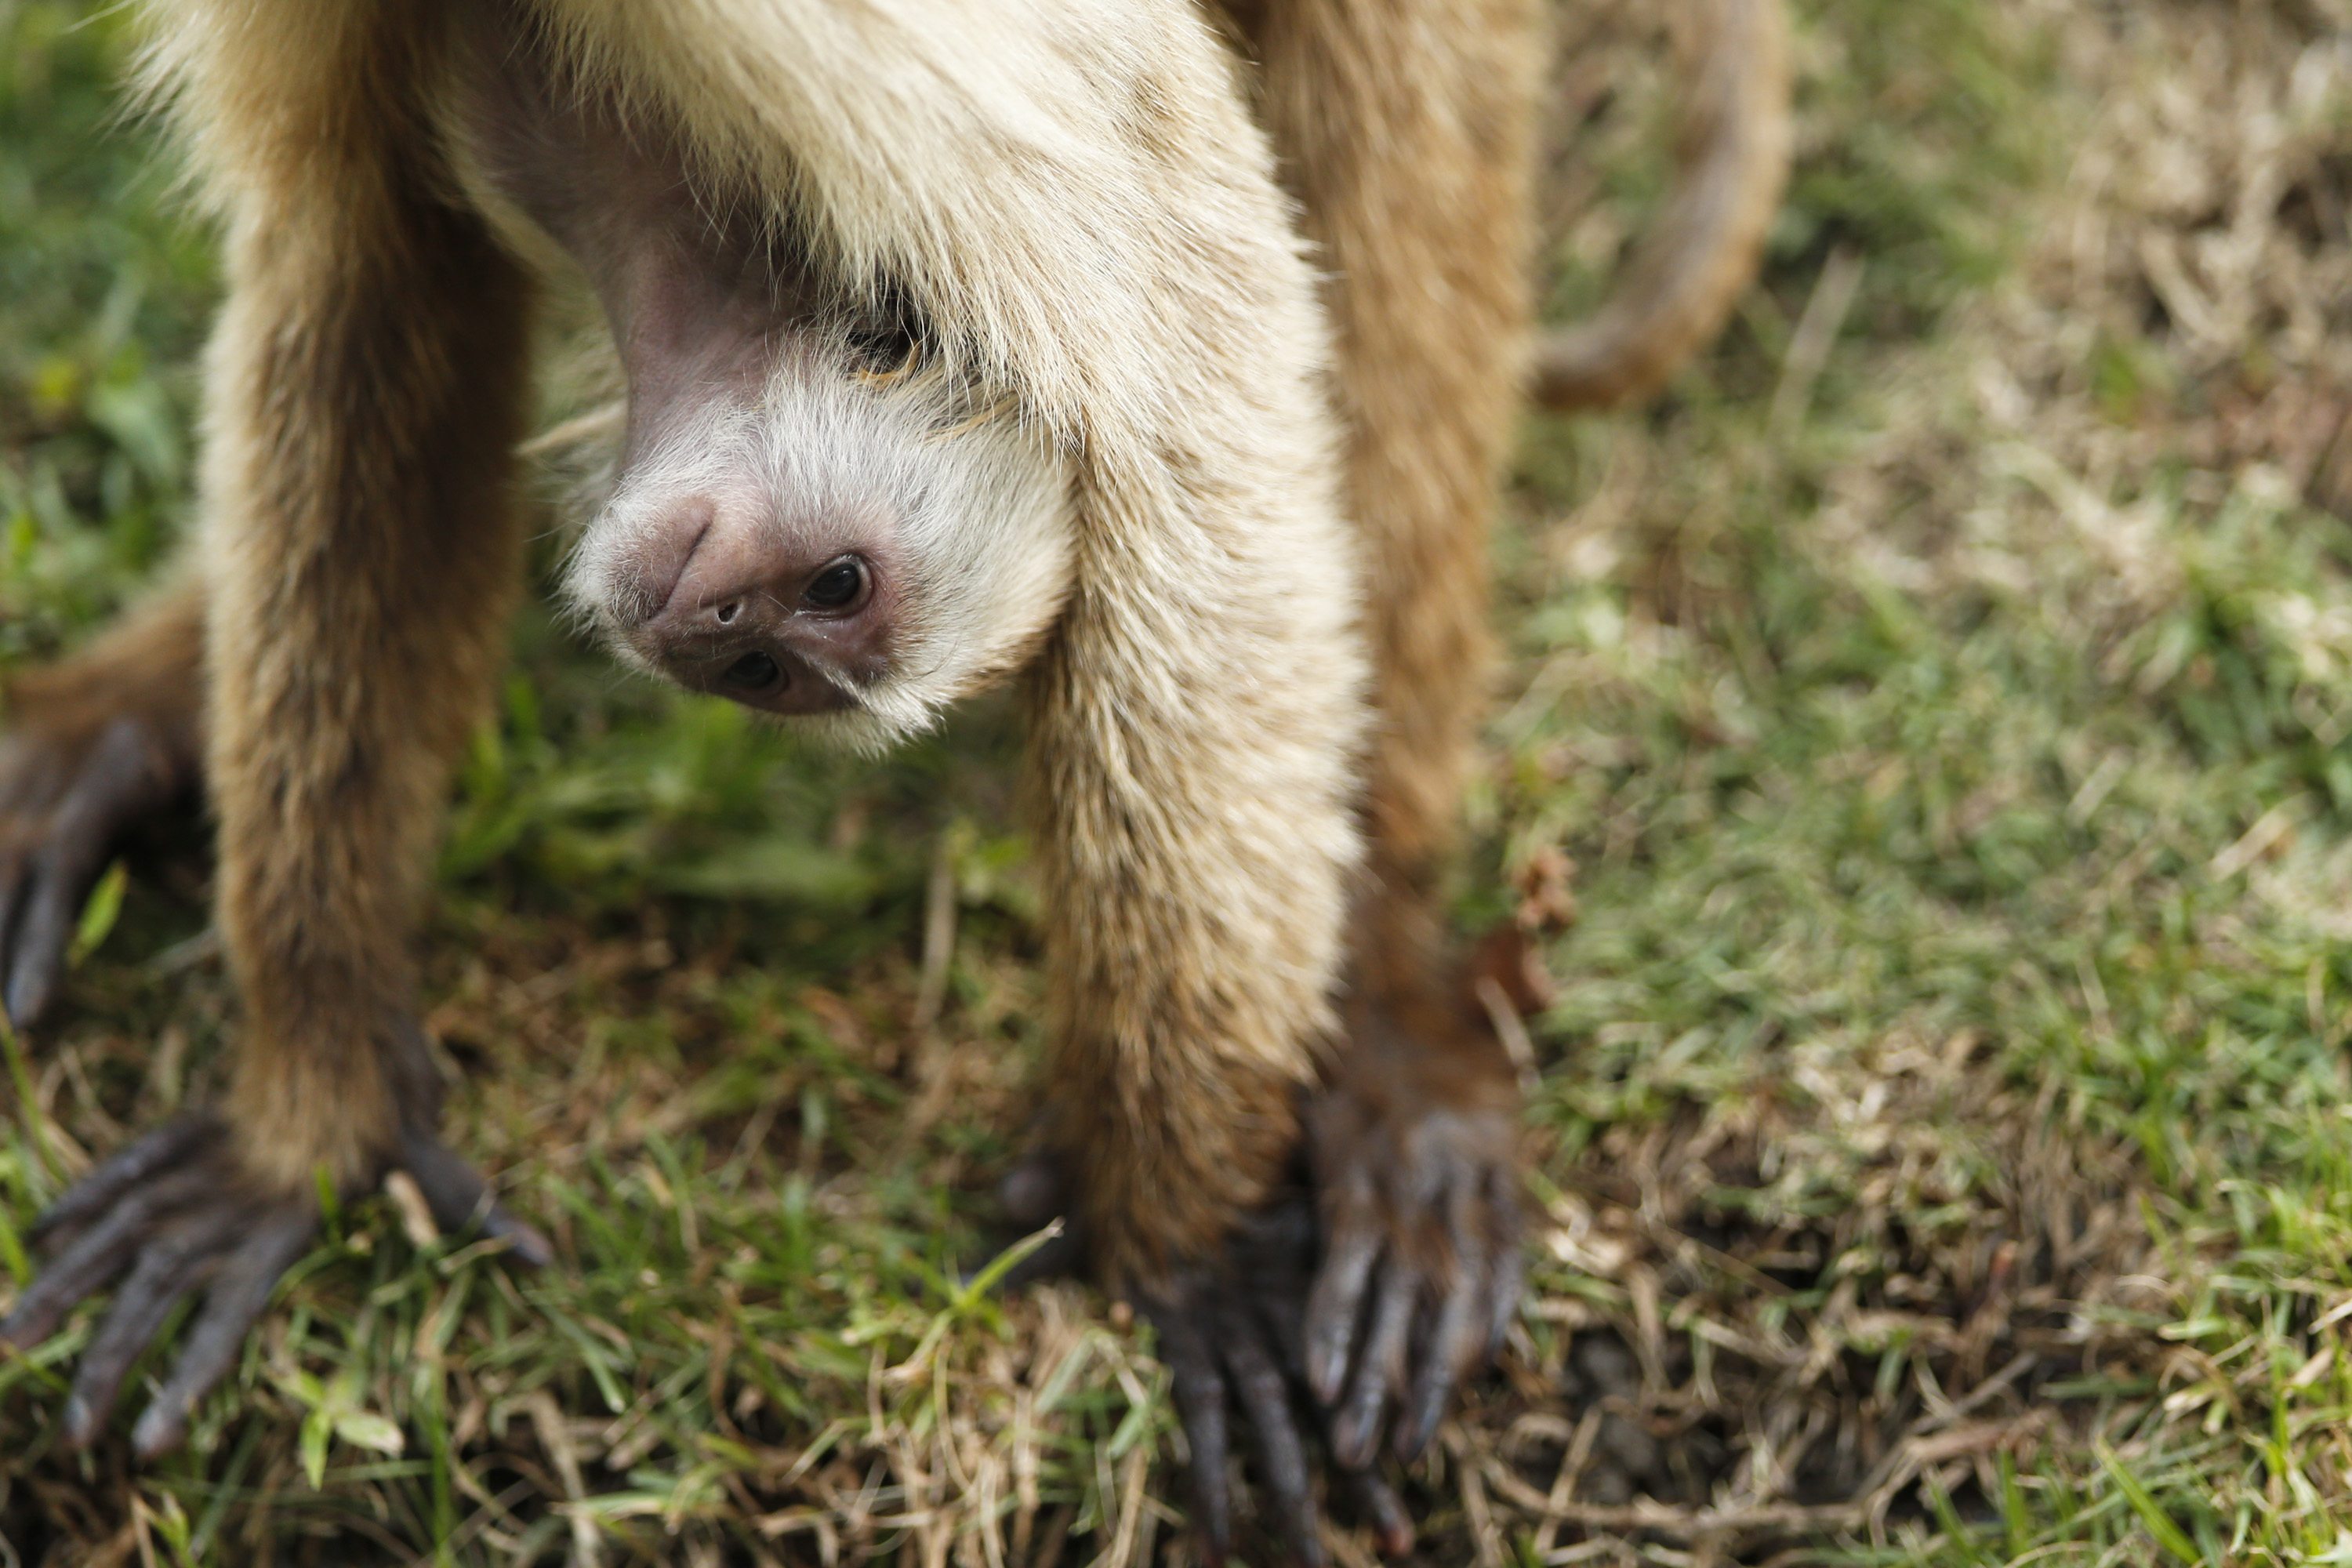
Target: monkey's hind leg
pixel 1407 131
pixel 93 744
pixel 366 389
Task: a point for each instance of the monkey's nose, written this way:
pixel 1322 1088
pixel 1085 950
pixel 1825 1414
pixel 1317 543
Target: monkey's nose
pixel 773 627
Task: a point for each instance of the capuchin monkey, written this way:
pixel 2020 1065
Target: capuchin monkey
pixel 1054 340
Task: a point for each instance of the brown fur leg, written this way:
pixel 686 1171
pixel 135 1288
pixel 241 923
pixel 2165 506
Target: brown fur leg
pixel 366 392
pixel 1408 133
pixel 1406 130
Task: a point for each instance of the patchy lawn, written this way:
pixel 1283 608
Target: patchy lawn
pixel 1936 719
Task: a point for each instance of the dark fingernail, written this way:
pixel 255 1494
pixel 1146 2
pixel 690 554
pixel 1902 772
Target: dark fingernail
pixel 26 997
pixel 1392 1534
pixel 1355 1430
pixel 1411 1440
pixel 1353 1436
pixel 1030 1193
pixel 160 1430
pixel 1327 1370
pixel 526 1244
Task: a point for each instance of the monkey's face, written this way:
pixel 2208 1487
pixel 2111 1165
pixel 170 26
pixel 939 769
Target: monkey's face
pixel 810 517
pixel 831 542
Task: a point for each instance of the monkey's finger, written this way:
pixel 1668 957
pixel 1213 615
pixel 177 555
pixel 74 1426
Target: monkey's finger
pixel 1033 1195
pixel 117 775
pixel 460 1196
pixel 1378 1504
pixel 1033 1192
pixel 116 1174
pixel 121 776
pixel 1199 1391
pixel 1510 1283
pixel 1282 1454
pixel 17 880
pixel 1356 1428
pixel 1335 1305
pixel 1279 1251
pixel 169 1266
pixel 24 772
pixel 1510 1262
pixel 98 1257
pixel 1453 1341
pixel 34 957
pixel 240 1290
pixel 124 773
pixel 1457 1330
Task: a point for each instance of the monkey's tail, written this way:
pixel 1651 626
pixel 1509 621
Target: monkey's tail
pixel 1707 245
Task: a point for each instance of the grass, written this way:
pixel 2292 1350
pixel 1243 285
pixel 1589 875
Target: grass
pixel 1934 715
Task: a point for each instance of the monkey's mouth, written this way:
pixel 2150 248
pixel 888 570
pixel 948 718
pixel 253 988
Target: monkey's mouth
pixel 768 679
pixel 753 675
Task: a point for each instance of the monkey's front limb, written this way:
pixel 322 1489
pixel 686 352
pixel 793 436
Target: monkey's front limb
pixel 1193 851
pixel 365 387
pixel 93 744
pixel 1232 1334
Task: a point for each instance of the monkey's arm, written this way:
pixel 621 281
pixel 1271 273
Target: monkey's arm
pixel 92 744
pixel 365 389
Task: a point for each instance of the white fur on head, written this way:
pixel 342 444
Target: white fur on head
pixel 965 506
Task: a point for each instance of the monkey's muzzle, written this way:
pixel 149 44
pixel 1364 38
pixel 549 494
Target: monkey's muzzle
pixel 739 615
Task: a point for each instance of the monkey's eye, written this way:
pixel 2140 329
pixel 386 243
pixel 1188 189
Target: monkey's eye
pixel 837 587
pixel 887 345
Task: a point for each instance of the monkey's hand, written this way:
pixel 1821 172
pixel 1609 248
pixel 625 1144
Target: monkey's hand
pixel 66 794
pixel 1417 1177
pixel 177 1212
pixel 1232 1333
pixel 1356 1303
